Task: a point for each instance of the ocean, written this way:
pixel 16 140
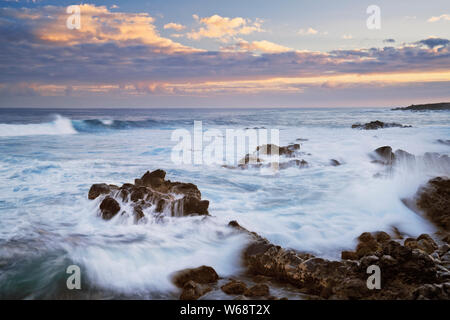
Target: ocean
pixel 49 158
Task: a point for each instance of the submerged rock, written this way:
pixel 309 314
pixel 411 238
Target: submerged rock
pixel 374 125
pixel 151 191
pixel 335 163
pixel 441 141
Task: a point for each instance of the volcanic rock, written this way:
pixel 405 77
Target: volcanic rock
pixel 374 125
pixel 151 191
pixel 434 200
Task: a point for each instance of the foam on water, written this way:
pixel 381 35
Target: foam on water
pixel 47 219
pixel 59 126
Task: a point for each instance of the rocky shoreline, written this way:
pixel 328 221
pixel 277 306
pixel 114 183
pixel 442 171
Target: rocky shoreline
pixel 428 106
pixel 411 268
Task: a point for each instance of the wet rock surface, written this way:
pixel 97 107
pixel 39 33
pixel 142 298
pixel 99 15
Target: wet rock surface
pixel 406 272
pixel 151 193
pixel 434 199
pixel 374 125
pixel 385 156
pixel 256 160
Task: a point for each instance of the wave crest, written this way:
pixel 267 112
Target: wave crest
pixel 59 126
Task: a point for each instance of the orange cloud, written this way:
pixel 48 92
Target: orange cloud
pixel 443 17
pixel 224 28
pixel 99 25
pixel 174 26
pixel 250 86
pixel 261 46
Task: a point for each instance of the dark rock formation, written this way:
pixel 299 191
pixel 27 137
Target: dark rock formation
pixel 258 290
pixel 151 190
pixel 99 189
pixel 428 106
pixel 109 208
pixel 293 163
pixel 441 141
pixel 254 161
pixel 193 291
pixel 384 155
pixel 203 275
pixel 234 287
pixel 195 282
pixel 287 151
pixel 434 200
pixel 335 163
pixel 406 273
pixel 374 125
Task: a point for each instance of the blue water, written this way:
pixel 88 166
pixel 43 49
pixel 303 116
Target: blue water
pixel 49 158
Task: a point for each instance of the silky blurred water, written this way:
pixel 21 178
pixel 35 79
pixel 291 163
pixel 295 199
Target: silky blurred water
pixel 50 158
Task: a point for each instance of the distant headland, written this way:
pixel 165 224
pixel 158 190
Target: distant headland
pixel 428 106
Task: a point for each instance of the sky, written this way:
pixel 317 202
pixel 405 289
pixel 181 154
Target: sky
pixel 206 53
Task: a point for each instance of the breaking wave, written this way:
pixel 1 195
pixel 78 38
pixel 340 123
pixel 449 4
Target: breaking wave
pixel 59 126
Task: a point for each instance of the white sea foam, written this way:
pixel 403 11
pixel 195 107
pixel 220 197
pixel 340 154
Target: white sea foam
pixel 320 209
pixel 59 126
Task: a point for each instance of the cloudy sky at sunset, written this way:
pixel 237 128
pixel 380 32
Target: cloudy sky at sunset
pixel 204 53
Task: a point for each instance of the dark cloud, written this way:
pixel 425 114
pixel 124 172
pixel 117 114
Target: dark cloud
pixel 434 42
pixel 389 40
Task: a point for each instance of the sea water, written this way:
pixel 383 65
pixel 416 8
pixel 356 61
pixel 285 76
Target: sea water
pixel 50 158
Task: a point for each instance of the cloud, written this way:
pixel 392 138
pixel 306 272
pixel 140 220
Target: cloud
pixel 174 26
pixel 224 28
pixel 389 40
pixel 308 31
pixel 104 58
pixel 347 36
pixel 434 42
pixel 443 17
pixel 98 25
pixel 260 46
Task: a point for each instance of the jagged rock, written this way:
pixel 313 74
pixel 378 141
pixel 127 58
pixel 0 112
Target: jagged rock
pixel 201 275
pixel 97 190
pixel 383 155
pixel 374 125
pixel 234 287
pixel 151 190
pixel 250 159
pixel 270 149
pixel 434 200
pixel 293 163
pixel 258 290
pixel 403 269
pixel 349 255
pixel 109 208
pixel 193 290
